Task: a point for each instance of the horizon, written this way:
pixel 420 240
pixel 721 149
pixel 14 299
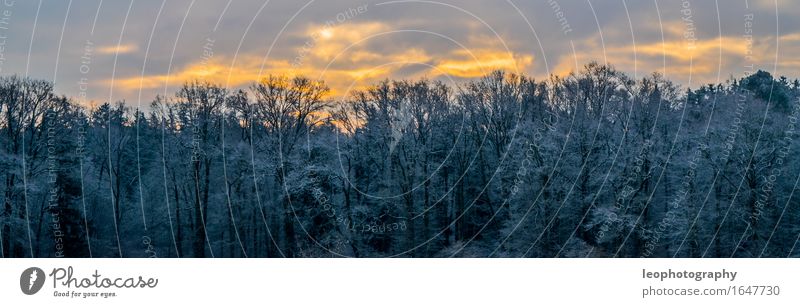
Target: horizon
pixel 91 105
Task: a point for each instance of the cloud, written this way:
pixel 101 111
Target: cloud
pixel 405 40
pixel 477 63
pixel 117 49
pixel 348 56
pixel 704 60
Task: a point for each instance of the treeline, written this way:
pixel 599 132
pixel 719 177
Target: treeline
pixel 591 164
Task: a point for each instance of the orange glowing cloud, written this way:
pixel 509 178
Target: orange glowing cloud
pixel 477 63
pixel 341 56
pixel 114 49
pixel 216 70
pixel 702 59
pixel 324 43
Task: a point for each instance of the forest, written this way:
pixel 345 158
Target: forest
pixel 595 163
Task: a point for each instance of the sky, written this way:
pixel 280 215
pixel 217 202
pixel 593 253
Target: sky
pixel 96 51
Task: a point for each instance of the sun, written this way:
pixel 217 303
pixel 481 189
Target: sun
pixel 326 33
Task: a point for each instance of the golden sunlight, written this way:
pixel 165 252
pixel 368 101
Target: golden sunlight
pixel 326 33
